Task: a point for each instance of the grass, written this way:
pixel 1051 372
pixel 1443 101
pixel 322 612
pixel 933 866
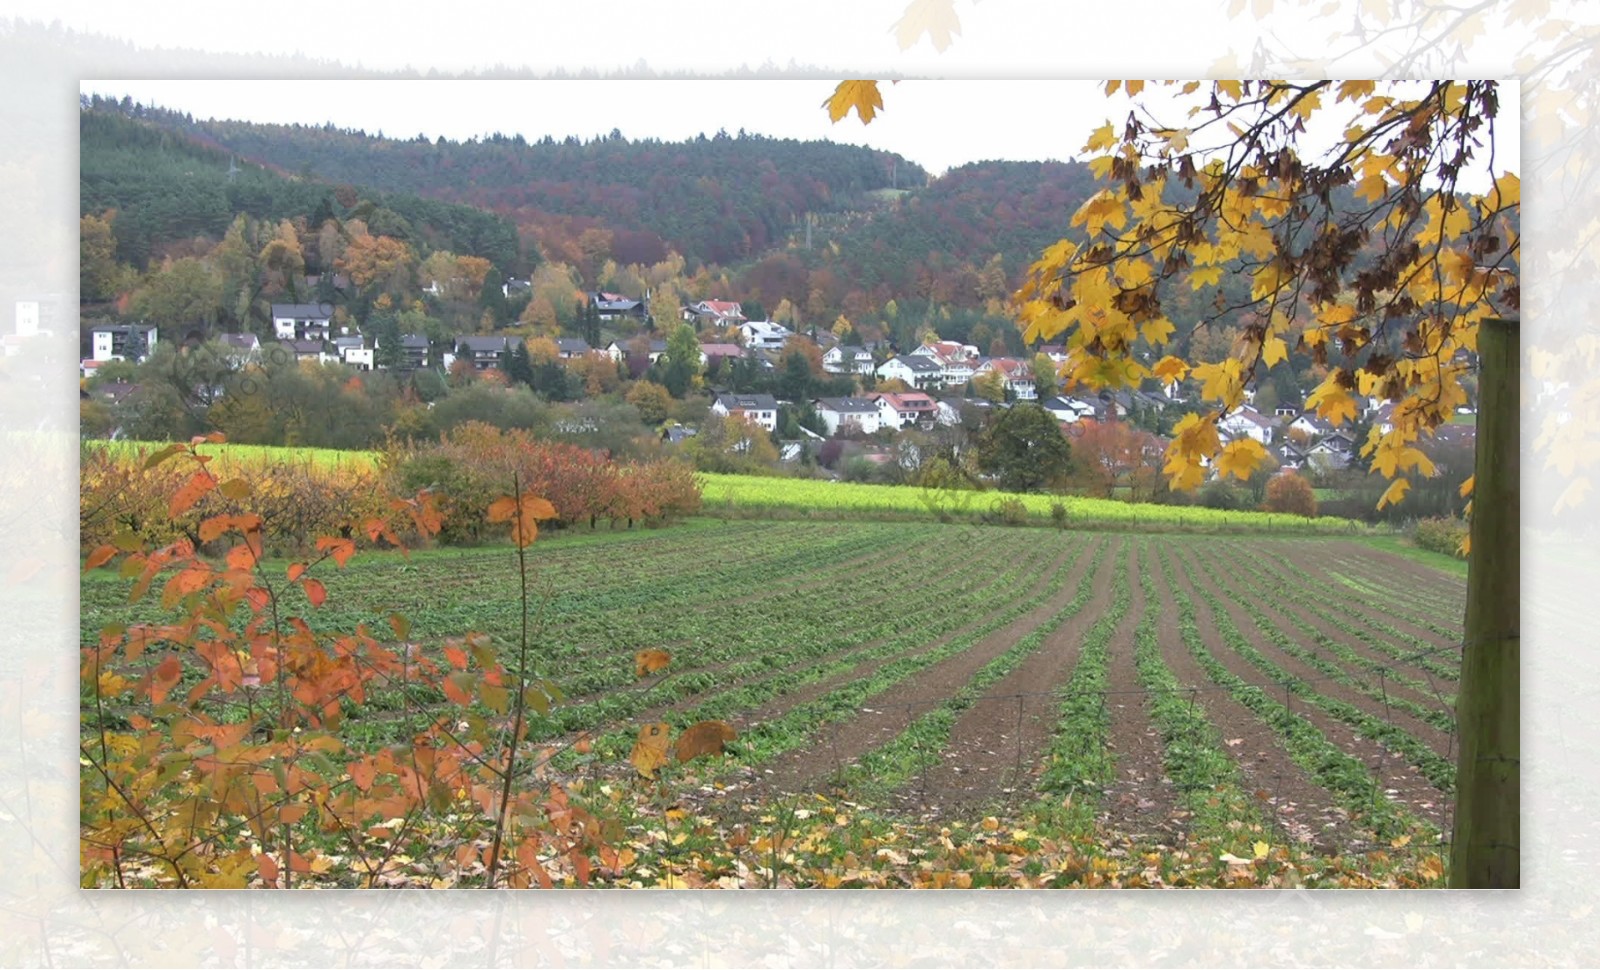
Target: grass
pixel 1401 546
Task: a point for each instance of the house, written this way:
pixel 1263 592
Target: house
pixel 354 352
pixel 240 348
pixel 1068 410
pixel 413 351
pixel 1333 451
pixel 677 434
pixel 910 408
pixel 916 371
pixel 1311 426
pixel 614 306
pixel 1016 377
pixel 122 341
pixel 305 349
pixel 652 351
pixel 852 414
pixel 715 313
pixel 1247 422
pixel 483 352
pixel 761 409
pixel 1293 457
pixel 1383 417
pixel 512 285
pixel 956 361
pixel 302 321
pixel 113 392
pixel 847 360
pixel 711 354
pixel 571 348
pixel 764 334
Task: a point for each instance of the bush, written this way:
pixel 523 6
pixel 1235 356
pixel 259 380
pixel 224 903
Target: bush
pixel 1221 495
pixel 1440 534
pixel 1292 495
pixel 475 463
pixel 1009 511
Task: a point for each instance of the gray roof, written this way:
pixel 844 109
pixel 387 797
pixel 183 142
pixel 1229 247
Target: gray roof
pixel 322 311
pixel 415 341
pixel 483 345
pixel 748 402
pixel 572 345
pixel 847 405
pixel 926 365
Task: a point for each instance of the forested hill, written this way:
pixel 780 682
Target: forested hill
pixel 719 199
pixel 940 240
pixel 167 187
pixel 824 228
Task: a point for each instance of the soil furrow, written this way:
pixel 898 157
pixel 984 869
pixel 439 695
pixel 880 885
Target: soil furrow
pixel 1141 801
pixel 1301 807
pixel 841 743
pixel 996 743
pixel 1401 781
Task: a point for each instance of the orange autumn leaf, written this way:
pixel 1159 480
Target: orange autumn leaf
pixel 99 557
pixel 707 737
pixel 523 516
pixel 649 661
pixel 191 492
pixel 315 591
pixel 339 550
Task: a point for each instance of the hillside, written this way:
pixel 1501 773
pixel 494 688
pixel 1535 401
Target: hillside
pixel 169 187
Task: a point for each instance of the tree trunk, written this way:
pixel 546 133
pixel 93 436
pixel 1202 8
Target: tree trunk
pixel 1484 852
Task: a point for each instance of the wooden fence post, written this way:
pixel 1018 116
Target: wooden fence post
pixel 1485 838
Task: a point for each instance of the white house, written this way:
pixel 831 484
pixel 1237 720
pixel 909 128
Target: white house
pixel 1069 410
pixel 764 334
pixel 302 321
pixel 956 361
pixel 856 414
pixel 124 341
pixel 847 360
pixel 1016 377
pixel 1247 422
pixel 911 408
pixel 917 371
pixel 241 348
pixel 619 351
pixel 761 409
pixel 716 313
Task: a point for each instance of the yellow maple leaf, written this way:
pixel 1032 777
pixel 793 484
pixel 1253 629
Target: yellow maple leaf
pixel 1332 401
pixel 935 18
pixel 1240 458
pixel 863 96
pixel 1158 331
pixel 1222 381
pixel 1170 369
pixel 1394 493
pixel 1261 849
pixel 1101 139
pixel 1274 350
pixel 650 748
pixel 1204 276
